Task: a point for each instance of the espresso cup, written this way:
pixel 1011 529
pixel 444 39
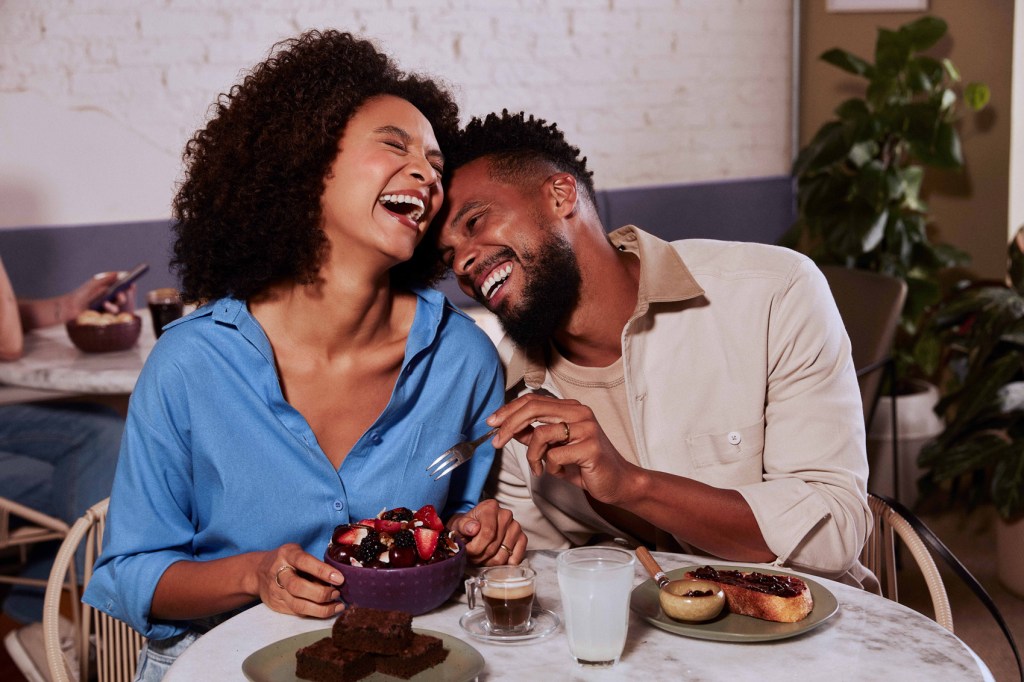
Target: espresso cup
pixel 165 306
pixel 506 594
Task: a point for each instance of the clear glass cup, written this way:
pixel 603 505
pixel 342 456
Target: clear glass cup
pixel 595 584
pixel 506 593
pixel 165 306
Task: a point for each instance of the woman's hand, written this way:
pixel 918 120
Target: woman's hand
pixel 292 581
pixel 492 536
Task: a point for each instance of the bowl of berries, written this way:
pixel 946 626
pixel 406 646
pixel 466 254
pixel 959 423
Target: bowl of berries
pixel 401 560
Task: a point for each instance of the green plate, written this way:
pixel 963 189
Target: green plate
pixel 730 627
pixel 276 662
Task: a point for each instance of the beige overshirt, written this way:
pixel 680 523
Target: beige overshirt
pixel 738 374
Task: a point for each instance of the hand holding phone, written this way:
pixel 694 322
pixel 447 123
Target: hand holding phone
pixel 119 285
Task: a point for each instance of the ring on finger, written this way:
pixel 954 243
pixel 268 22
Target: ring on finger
pixel 506 548
pixel 567 435
pixel 277 576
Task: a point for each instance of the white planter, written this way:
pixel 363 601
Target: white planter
pixel 1010 554
pixel 918 424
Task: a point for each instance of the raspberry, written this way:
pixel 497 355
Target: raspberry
pixel 397 514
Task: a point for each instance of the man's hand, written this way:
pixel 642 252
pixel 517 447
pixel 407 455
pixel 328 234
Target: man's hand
pixel 492 536
pixel 586 458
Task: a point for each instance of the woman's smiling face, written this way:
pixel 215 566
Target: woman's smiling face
pixel 384 186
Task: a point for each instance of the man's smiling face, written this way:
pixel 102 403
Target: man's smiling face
pixel 508 253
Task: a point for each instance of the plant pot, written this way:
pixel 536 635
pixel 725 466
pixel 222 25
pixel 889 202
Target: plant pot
pixel 1009 557
pixel 918 424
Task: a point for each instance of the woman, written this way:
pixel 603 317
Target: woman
pixel 319 378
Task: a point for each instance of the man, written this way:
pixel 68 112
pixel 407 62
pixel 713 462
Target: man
pixel 695 395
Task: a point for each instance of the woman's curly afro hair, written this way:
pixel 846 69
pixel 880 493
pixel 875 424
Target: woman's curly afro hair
pixel 516 145
pixel 247 214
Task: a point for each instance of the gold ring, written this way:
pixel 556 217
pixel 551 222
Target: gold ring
pixel 277 576
pixel 567 436
pixel 505 547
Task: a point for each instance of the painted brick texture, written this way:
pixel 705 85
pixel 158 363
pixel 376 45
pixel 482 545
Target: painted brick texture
pixel 654 91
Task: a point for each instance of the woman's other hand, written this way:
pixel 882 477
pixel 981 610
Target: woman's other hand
pixel 492 536
pixel 292 581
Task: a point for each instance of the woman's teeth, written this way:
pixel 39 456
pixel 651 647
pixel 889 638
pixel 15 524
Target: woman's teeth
pixel 496 279
pixel 404 204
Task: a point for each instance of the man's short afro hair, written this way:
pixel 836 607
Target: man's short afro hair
pixel 518 143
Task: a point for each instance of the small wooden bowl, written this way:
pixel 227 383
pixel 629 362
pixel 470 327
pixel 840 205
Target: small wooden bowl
pixel 95 338
pixel 678 606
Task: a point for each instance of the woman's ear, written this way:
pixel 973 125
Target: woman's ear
pixel 562 189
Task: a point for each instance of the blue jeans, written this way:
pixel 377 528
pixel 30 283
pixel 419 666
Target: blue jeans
pixel 59 459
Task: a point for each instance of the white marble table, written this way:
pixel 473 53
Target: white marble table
pixel 870 638
pixel 53 367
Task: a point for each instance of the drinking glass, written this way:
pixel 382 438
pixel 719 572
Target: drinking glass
pixel 507 596
pixel 595 583
pixel 165 306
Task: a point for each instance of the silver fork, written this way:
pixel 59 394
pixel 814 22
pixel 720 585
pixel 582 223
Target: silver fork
pixel 456 456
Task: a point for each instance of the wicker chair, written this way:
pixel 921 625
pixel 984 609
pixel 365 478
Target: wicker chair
pixel 20 528
pixel 117 645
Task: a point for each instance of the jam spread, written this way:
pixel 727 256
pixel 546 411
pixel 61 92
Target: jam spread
pixel 775 585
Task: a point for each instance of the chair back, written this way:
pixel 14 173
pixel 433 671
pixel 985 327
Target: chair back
pixel 117 645
pixel 879 556
pixel 870 304
pixel 20 528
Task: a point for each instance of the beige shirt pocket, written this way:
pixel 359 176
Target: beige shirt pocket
pixel 732 457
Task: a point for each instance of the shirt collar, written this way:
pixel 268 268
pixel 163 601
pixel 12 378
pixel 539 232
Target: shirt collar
pixel 663 278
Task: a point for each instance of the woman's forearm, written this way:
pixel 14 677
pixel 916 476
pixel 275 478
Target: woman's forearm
pixel 196 589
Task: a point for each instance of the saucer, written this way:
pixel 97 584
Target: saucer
pixel 542 624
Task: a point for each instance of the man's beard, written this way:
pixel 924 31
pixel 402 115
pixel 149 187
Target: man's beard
pixel 551 291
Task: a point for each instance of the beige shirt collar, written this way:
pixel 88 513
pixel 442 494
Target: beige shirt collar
pixel 674 283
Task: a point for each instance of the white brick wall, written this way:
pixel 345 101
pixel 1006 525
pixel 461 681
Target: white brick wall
pixel 653 91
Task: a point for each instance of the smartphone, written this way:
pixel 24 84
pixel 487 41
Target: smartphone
pixel 119 285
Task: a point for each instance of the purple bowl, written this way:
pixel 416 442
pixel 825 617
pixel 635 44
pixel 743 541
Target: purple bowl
pixel 415 590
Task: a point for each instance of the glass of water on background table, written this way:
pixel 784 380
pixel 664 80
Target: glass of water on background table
pixel 595 584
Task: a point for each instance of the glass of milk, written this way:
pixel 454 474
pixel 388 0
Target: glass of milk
pixel 595 583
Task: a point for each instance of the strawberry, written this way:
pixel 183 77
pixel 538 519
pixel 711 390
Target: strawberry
pixel 427 515
pixel 371 523
pixel 349 534
pixel 426 542
pixel 388 526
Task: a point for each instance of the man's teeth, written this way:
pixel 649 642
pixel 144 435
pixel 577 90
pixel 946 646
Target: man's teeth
pixel 494 282
pixel 415 214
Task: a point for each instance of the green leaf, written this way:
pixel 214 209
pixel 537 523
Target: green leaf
pixel 828 146
pixel 924 32
pixel 892 50
pixel 951 70
pixel 848 61
pixel 1008 481
pixel 977 96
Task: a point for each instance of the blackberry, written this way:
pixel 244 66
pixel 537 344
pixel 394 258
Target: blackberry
pixel 368 551
pixel 397 514
pixel 404 538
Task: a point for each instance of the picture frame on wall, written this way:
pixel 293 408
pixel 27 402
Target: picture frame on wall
pixel 876 5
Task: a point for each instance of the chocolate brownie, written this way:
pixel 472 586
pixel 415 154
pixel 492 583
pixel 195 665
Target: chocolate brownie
pixel 372 630
pixel 424 652
pixel 321 661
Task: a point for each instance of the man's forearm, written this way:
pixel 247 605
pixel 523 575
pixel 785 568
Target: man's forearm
pixel 717 520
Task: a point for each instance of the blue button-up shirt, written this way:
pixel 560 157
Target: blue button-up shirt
pixel 215 462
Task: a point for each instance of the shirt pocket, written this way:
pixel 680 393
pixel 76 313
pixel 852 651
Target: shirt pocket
pixel 727 447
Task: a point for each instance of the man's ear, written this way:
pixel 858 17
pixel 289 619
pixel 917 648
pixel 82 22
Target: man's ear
pixel 562 189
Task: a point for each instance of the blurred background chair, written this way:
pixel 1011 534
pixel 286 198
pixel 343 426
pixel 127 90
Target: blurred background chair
pixel 117 646
pixel 21 528
pixel 870 304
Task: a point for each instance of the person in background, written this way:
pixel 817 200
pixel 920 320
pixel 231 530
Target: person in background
pixel 697 395
pixel 320 375
pixel 57 458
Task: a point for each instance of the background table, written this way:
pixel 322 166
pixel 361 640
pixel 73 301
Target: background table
pixel 52 367
pixel 870 638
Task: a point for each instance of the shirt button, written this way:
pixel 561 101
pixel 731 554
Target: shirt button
pixel 735 437
pixel 375 439
pixel 339 505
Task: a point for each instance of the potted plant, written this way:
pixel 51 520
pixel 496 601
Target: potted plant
pixel 859 204
pixel 859 179
pixel 979 456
